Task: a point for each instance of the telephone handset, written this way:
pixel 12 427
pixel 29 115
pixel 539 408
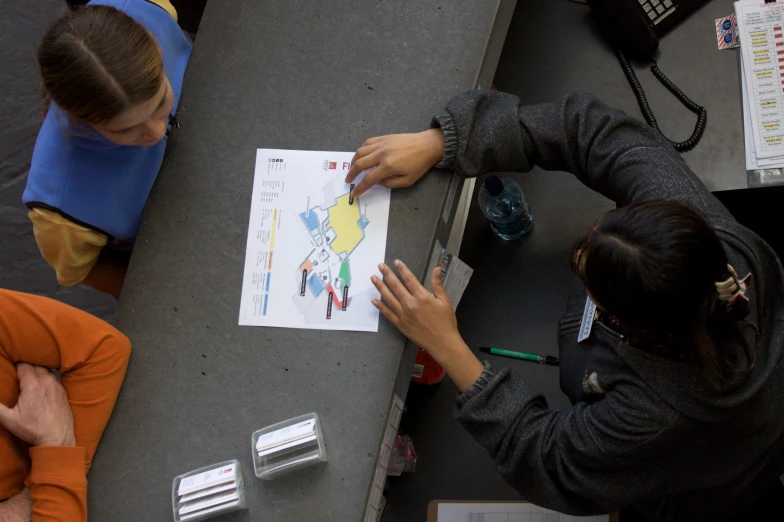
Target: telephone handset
pixel 633 28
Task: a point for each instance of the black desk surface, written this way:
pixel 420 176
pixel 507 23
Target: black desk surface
pixel 301 75
pixel 553 47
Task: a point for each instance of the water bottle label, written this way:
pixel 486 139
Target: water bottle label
pixel 515 227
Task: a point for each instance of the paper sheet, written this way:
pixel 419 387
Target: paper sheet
pixel 311 246
pixel 762 63
pixel 455 274
pixel 507 512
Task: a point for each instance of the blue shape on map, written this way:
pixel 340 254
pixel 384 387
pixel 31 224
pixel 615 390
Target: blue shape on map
pixel 363 222
pixel 315 285
pixel 310 219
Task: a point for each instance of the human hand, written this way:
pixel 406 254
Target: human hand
pixel 18 508
pixel 427 319
pixel 42 415
pixel 397 160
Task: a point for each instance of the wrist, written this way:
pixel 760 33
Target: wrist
pixel 435 139
pixel 448 348
pixel 66 440
pixel 462 365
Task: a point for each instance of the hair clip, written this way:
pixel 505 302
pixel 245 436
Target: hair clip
pixel 733 290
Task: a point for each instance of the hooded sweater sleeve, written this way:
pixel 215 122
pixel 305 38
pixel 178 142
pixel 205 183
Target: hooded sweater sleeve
pixel 609 151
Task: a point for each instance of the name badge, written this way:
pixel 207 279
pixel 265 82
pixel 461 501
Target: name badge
pixel 589 313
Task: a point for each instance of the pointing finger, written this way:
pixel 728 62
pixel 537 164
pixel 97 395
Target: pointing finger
pixel 361 153
pixel 371 178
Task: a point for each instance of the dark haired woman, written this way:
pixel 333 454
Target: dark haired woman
pixel 111 73
pixel 677 394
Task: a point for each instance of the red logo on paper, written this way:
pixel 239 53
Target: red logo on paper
pixel 227 470
pixel 346 165
pixel 333 165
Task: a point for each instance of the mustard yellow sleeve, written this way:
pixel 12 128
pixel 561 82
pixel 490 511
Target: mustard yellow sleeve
pixel 70 249
pixel 166 5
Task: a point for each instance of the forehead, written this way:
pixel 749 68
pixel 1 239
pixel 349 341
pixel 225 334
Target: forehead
pixel 138 113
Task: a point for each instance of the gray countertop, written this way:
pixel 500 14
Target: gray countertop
pixel 299 75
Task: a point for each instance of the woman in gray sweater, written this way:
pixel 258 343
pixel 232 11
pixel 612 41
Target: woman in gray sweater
pixel 678 393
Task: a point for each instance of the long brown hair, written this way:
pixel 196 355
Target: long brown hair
pixel 96 62
pixel 653 266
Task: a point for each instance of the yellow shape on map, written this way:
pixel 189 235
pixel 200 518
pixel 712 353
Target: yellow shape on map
pixel 343 218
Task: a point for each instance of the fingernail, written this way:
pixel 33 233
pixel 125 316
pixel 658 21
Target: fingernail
pixel 374 279
pixel 381 266
pixel 397 262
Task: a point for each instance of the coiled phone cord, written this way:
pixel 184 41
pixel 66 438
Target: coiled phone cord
pixel 702 114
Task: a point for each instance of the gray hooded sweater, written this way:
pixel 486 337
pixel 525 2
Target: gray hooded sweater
pixel 647 432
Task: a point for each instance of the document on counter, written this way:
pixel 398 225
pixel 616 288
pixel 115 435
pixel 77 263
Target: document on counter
pixel 312 246
pixel 761 28
pixel 506 512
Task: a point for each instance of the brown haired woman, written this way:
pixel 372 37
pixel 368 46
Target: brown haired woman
pixel 112 75
pixel 677 392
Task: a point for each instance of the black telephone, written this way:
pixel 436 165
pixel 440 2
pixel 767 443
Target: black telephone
pixel 633 28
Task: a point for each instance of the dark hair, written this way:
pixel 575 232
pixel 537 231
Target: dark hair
pixel 653 266
pixel 96 62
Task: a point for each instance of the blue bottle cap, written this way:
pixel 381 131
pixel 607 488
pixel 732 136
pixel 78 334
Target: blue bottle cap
pixel 494 185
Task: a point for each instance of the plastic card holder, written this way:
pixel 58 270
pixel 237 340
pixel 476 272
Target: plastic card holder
pixel 208 492
pixel 287 446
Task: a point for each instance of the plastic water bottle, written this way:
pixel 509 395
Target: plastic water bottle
pixel 503 204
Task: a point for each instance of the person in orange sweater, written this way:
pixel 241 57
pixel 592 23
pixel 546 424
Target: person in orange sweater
pixel 50 429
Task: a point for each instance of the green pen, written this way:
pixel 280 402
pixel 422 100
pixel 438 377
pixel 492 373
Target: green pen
pixel 546 359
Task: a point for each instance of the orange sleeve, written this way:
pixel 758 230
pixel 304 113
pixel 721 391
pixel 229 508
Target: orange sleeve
pixel 59 484
pixel 90 354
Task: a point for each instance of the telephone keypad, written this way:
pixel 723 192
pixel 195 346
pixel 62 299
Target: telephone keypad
pixel 657 10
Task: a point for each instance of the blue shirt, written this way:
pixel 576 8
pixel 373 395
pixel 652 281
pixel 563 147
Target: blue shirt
pixel 85 177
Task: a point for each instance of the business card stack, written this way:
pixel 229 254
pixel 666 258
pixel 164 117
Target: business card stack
pixel 288 445
pixel 208 492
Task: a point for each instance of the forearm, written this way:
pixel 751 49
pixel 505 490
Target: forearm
pixel 90 354
pixel 608 150
pixel 59 484
pixel 460 363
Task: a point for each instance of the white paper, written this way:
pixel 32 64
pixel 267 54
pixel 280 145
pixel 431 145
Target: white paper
pixel 209 491
pixel 507 512
pixel 199 505
pixel 286 434
pixel 210 510
pixel 761 28
pixel 207 479
pixel 455 274
pixel 308 240
pixel 458 275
